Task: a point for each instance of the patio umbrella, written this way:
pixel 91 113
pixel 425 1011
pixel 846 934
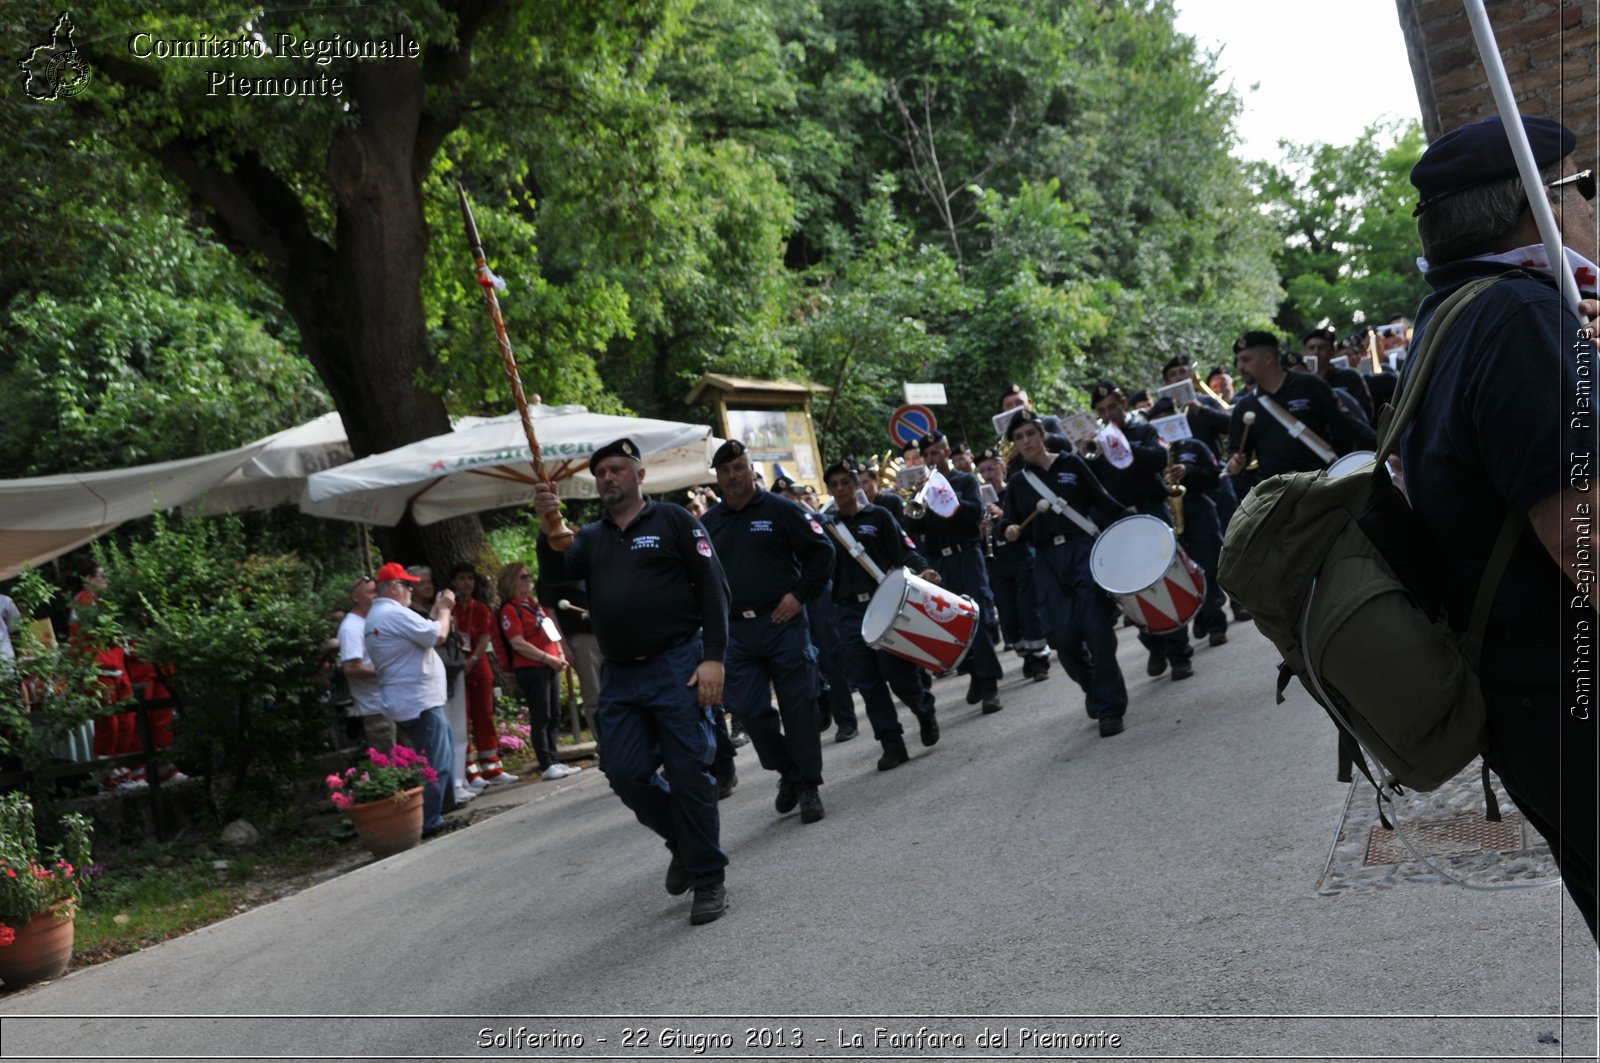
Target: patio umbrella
pixel 485 464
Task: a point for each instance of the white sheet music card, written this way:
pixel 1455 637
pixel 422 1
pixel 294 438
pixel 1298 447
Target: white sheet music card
pixel 1171 429
pixel 1080 427
pixel 549 629
pixel 1340 361
pixel 1182 393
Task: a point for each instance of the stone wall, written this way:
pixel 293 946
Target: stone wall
pixel 1549 48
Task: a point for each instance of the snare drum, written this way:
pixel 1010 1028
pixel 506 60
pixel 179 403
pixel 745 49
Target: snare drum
pixel 1355 461
pixel 1139 563
pixel 926 624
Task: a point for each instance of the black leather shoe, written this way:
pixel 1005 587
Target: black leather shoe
pixel 991 705
pixel 677 876
pixel 930 729
pixel 811 808
pixel 973 696
pixel 1219 638
pixel 1242 616
pixel 1156 664
pixel 710 902
pixel 1181 670
pixel 1110 725
pixel 893 758
pixel 788 796
pixel 844 734
pixel 726 786
pixel 1041 668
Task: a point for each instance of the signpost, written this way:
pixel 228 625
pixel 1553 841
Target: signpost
pixel 910 423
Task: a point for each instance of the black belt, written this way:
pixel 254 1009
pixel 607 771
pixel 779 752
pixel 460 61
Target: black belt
pixel 748 614
pixel 864 597
pixel 956 549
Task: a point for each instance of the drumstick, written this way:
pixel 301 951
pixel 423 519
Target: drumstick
pixel 564 604
pixel 1249 419
pixel 1039 508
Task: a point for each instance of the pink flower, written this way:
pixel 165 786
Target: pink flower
pixel 510 743
pixel 364 777
pixel 342 801
pixel 7 935
pixel 429 774
pixel 378 760
pixel 335 782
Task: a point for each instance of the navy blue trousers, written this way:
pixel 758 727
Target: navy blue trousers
pixel 875 673
pixel 763 656
pixel 1016 597
pixel 1082 624
pixel 650 721
pixel 1202 538
pixel 1174 644
pixel 964 573
pixel 834 699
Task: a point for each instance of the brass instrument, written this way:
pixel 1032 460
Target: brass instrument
pixel 1203 386
pixel 1175 492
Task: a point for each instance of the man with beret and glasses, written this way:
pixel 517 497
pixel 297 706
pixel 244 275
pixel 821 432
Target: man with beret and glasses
pixel 1502 448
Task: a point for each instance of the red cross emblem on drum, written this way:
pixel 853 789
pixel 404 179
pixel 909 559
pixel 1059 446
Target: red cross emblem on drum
pixel 1139 563
pixel 912 618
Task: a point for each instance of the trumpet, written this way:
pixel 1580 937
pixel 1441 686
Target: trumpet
pixel 1089 449
pixel 1175 492
pixel 1209 390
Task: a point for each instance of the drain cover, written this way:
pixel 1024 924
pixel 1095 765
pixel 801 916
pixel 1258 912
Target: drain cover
pixel 1457 836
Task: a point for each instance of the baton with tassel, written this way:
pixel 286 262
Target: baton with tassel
pixel 555 529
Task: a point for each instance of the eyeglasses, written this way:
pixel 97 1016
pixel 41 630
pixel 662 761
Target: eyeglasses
pixel 1583 181
pixel 525 576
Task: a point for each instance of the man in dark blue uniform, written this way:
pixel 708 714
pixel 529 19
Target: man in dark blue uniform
pixel 954 545
pixel 1140 485
pixel 1081 617
pixel 1193 466
pixel 659 605
pixel 877 495
pixel 1303 396
pixel 777 558
pixel 875 672
pixel 1506 425
pixel 1011 578
pixel 1321 345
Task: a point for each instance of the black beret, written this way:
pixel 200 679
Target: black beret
pixel 1103 390
pixel 986 454
pixel 1255 338
pixel 1162 407
pixel 931 438
pixel 1021 417
pixel 622 448
pixel 783 483
pixel 909 447
pixel 1290 358
pixel 727 452
pixel 1177 361
pixel 1480 152
pixel 1010 390
pixel 843 465
pixel 1320 334
pixel 1142 395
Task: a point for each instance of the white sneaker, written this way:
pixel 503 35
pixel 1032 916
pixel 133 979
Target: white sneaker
pixel 496 780
pixel 554 772
pixel 463 795
pixel 570 769
pixel 134 784
pixel 477 786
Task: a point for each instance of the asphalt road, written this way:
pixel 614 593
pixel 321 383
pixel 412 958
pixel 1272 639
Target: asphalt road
pixel 1151 895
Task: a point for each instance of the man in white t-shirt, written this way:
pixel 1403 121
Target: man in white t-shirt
pixel 411 680
pixel 360 677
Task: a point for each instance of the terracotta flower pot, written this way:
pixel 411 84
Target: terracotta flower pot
pixel 42 950
pixel 391 825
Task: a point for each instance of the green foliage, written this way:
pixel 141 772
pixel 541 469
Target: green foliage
pixel 235 632
pixel 33 878
pixel 1349 242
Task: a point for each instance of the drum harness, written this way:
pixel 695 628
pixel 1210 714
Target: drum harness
pixel 855 550
pixel 1297 429
pixel 1058 505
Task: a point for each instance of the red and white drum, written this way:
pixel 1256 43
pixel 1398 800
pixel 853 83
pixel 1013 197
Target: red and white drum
pixel 924 623
pixel 1139 563
pixel 1355 461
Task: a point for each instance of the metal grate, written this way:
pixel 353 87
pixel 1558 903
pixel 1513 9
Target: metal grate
pixel 1458 836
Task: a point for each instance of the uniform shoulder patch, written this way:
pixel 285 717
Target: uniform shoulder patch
pixel 704 547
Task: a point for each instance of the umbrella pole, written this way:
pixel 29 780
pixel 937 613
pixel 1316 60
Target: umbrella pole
pixel 555 529
pixel 366 547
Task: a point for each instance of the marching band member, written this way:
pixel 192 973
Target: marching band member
pixel 955 546
pixel 777 558
pixel 1284 396
pixel 1012 581
pixel 1322 345
pixel 1081 616
pixel 875 672
pixel 1140 484
pixel 1194 467
pixel 879 497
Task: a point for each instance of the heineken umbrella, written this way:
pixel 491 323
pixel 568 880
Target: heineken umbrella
pixel 485 464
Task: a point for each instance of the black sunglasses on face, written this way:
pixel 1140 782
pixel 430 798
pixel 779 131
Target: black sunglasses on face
pixel 1583 181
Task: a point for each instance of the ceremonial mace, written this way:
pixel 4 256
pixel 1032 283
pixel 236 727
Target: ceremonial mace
pixel 555 529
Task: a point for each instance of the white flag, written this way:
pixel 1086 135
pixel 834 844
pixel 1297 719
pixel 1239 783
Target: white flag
pixel 1114 446
pixel 939 496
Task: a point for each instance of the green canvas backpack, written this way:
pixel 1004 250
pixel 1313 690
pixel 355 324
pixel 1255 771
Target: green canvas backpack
pixel 1338 575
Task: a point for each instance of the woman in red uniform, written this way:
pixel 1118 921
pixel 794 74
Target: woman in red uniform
pixel 475 626
pixel 117 733
pixel 530 646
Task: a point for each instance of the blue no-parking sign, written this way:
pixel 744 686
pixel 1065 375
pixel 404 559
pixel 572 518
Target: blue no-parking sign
pixel 910 423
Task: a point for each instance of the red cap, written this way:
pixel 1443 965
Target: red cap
pixel 395 570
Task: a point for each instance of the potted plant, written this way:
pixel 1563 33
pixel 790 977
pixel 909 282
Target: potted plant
pixel 39 893
pixel 384 798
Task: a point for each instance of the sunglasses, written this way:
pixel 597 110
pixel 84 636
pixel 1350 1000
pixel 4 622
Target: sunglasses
pixel 1583 181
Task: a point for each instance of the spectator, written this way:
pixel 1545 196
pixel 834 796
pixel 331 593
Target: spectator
pixel 360 676
pixel 115 734
pixel 475 625
pixel 530 647
pixel 454 656
pixel 411 681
